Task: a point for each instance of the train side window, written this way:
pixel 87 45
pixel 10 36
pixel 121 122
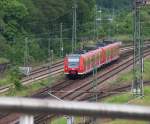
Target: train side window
pixel 86 62
pixel 89 59
pixel 92 59
pixel 102 55
pixel 107 54
pixel 97 57
pixel 113 52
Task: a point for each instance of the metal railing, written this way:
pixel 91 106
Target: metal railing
pixel 29 107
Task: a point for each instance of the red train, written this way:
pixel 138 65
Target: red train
pixel 85 61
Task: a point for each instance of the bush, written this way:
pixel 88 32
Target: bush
pixel 15 78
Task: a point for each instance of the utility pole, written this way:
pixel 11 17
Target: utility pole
pixel 137 86
pixel 111 18
pixel 95 23
pixel 98 21
pixel 26 53
pixel 50 61
pixel 61 41
pixel 95 83
pixel 70 119
pixel 74 27
pixel 95 96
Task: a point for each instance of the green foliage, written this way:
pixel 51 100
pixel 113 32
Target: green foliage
pixel 20 18
pixel 60 121
pixel 15 78
pixel 128 98
pixel 40 20
pixel 117 4
pixel 3 61
pixel 119 98
pixel 13 14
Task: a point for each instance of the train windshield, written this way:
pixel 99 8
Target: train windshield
pixel 73 61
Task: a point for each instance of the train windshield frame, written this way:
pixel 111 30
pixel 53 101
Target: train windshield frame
pixel 73 61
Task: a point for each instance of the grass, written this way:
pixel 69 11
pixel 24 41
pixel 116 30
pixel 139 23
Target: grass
pixel 118 99
pixel 61 120
pixel 120 121
pixel 122 98
pixel 147 69
pixel 4 81
pixel 128 98
pixel 27 90
pixel 127 77
pixel 30 89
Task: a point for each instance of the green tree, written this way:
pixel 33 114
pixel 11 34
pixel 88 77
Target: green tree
pixel 15 78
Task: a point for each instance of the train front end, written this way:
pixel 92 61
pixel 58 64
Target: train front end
pixel 72 65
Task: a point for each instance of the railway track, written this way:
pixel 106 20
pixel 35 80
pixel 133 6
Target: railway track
pixel 82 92
pixel 65 84
pixel 110 92
pixel 72 94
pixel 45 71
pixel 38 74
pixel 87 84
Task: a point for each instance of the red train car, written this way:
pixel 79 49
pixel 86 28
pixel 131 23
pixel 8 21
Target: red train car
pixel 85 61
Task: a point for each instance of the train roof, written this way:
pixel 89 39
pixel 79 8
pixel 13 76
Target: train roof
pixel 105 42
pixel 85 49
pixel 74 55
pixel 99 44
pixel 109 41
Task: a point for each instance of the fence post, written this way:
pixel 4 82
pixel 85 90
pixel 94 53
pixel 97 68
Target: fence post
pixel 70 120
pixel 26 119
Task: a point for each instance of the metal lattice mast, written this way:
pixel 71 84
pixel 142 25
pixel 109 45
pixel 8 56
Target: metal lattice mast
pixel 137 87
pixel 95 96
pixel 95 83
pixel 61 41
pixel 95 22
pixel 74 27
pixel 26 53
pixel 50 63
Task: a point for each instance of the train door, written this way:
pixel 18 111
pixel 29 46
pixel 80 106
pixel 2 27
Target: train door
pixel 85 63
pixel 103 56
pixel 88 62
pixel 108 54
pixel 99 57
pixel 111 51
pixel 82 65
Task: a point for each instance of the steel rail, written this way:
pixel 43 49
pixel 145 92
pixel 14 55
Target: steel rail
pixel 45 74
pixel 57 85
pixel 101 94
